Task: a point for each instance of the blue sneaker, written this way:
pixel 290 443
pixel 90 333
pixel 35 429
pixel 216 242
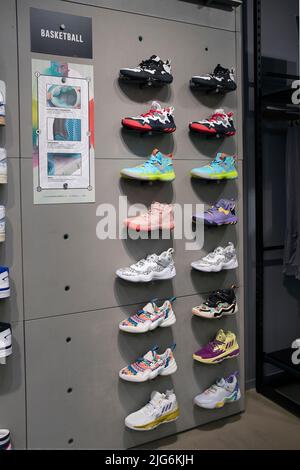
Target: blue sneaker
pixel 159 167
pixel 222 167
pixel 4 282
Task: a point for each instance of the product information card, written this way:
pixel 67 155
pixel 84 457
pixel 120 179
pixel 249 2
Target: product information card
pixel 63 133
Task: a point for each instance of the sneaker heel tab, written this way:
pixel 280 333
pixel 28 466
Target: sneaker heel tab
pixel 155 348
pixel 172 299
pixel 230 114
pixel 173 347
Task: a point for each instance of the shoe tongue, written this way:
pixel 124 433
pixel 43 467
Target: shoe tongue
pixel 156 206
pixel 156 106
pixel 220 382
pixel 225 203
pixel 150 355
pixel 220 111
pixel 149 307
pixel 156 396
pixel 221 336
pixel 155 57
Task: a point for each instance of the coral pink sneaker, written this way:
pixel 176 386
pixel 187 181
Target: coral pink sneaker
pixel 158 217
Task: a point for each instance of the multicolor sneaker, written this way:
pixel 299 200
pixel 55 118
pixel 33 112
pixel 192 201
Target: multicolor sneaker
pixel 223 346
pixel 225 390
pixel 220 124
pixel 222 167
pixel 159 167
pixel 3 166
pixel 5 440
pixel 221 80
pixel 2 103
pixel 157 119
pixel 150 366
pixel 219 303
pixel 162 408
pixel 154 267
pixel 222 213
pixel 150 317
pixel 158 217
pixel 221 258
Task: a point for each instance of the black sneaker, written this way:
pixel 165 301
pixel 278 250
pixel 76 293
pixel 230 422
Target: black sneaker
pixel 219 124
pixel 150 70
pixel 221 80
pixel 219 303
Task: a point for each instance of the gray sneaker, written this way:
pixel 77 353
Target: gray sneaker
pixel 221 258
pixel 154 267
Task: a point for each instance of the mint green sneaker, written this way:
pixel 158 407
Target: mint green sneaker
pixel 159 167
pixel 222 167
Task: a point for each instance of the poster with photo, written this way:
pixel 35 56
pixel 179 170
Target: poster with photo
pixel 63 132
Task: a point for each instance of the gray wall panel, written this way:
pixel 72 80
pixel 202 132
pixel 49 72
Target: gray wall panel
pixel 100 400
pixel 185 11
pixel 88 264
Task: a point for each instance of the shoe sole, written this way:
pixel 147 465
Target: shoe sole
pixel 215 269
pixel 216 360
pixel 140 130
pixel 213 224
pixel 142 278
pixel 198 313
pixel 229 176
pixel 138 228
pixel 168 418
pixel 164 324
pixel 167 177
pixel 171 369
pixel 3 179
pixel 5 293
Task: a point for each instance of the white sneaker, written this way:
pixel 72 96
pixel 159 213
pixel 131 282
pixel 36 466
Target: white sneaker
pixel 220 258
pixel 2 102
pixel 4 282
pixel 3 166
pixel 222 392
pixel 162 408
pixel 150 366
pixel 5 340
pixel 154 267
pixel 5 442
pixel 150 317
pixel 2 223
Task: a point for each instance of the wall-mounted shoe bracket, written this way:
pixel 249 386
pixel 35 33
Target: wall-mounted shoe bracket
pixel 230 3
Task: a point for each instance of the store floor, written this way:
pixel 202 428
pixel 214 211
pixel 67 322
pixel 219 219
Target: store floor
pixel 264 425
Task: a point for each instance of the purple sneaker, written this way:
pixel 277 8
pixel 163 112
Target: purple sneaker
pixel 223 346
pixel 222 213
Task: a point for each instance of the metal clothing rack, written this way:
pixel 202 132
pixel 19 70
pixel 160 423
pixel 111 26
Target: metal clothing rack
pixel 270 106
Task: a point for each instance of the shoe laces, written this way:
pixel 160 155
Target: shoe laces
pixel 143 261
pixel 219 70
pixel 216 115
pixel 215 297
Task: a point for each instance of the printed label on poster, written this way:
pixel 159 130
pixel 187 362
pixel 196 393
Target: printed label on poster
pixel 63 133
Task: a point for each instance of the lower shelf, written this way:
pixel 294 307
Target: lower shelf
pixel 283 360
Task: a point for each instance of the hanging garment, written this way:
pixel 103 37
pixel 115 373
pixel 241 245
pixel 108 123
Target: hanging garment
pixel 291 260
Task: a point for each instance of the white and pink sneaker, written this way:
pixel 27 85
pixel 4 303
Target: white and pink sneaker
pixel 158 217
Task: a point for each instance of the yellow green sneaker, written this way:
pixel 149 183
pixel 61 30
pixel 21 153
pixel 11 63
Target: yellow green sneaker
pixel 222 167
pixel 159 167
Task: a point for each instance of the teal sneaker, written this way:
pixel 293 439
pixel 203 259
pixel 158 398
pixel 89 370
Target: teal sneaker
pixel 159 167
pixel 222 167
